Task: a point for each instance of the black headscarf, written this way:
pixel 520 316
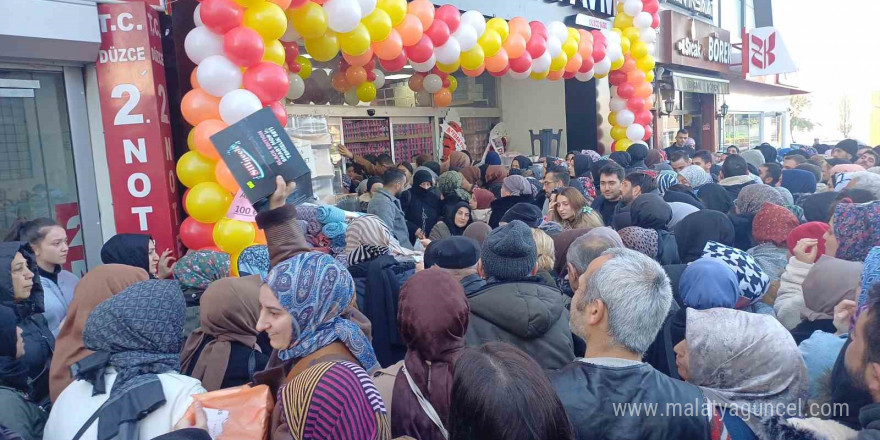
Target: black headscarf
pixel 638 153
pixel 423 207
pixel 817 207
pixel 683 194
pixel 421 177
pixel 768 151
pixel 524 162
pixel 13 373
pixel 695 230
pixel 128 249
pixel 649 211
pixel 449 219
pixel 582 165
pixel 433 166
pixel 622 158
pixel 34 303
pixel 715 197
pixel 595 170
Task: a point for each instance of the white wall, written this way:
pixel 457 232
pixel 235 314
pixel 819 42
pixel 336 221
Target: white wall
pixel 528 104
pixel 46 29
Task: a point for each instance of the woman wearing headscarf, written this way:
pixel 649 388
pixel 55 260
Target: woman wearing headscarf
pixel 754 158
pixel 196 271
pixel 653 158
pixel 457 161
pixel 770 230
pixel 749 202
pixel 423 207
pixel 680 211
pixel 855 229
pixel 132 381
pixel 370 186
pixel 715 197
pixel 481 203
pixel 638 152
pixel 666 179
pixel 491 159
pixel 708 283
pixel 433 319
pixel 254 260
pixel 648 242
pixel 478 231
pixel 806 243
pixel 98 285
pixel 582 178
pixel 223 351
pixel 622 158
pixel 21 292
pixel 650 211
pixel 695 177
pixel 458 217
pixel 472 176
pixel 515 189
pixel 746 365
pixel 302 304
pixel 138 250
pixel 830 281
pixel 495 175
pixel 451 191
pixel 18 412
pixel 521 163
pixel 569 208
pixel 699 228
pixel 817 207
pixel 798 182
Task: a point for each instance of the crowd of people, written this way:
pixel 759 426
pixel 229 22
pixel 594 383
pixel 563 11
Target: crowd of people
pixel 651 294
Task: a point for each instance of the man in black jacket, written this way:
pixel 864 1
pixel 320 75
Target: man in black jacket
pixel 610 186
pixel 618 309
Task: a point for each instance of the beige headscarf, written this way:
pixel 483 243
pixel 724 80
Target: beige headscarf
pixel 830 281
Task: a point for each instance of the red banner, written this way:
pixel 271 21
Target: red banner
pixel 137 129
pixel 67 215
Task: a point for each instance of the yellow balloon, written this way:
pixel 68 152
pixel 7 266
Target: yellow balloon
pixel 232 236
pixel 190 139
pixel 449 68
pixel 616 65
pixel 366 92
pixel 649 76
pixel 573 33
pixel 559 62
pixel 396 9
pixel 267 19
pixel 612 118
pixel 193 169
pixel 570 47
pixel 623 21
pixel 249 3
pixel 631 32
pixel 305 67
pixel 600 76
pixel 646 64
pixel 500 25
pixel 537 76
pixel 491 43
pixel 379 25
pixel 639 49
pixel 623 144
pixel 324 48
pixel 473 58
pixel 208 202
pixel 356 42
pixel 453 83
pixel 625 45
pixel 274 52
pixel 618 132
pixel 310 20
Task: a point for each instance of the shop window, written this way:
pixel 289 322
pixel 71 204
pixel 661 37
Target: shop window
pixel 772 128
pixel 15 152
pixel 475 92
pixel 742 130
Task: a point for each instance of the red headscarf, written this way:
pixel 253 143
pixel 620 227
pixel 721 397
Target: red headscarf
pixel 808 230
pixel 772 224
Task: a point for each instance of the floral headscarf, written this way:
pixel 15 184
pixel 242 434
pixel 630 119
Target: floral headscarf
pixel 198 269
pixel 753 197
pixel 772 224
pixel 315 289
pixel 696 176
pixel 857 229
pixel 870 274
pixel 450 183
pixel 254 260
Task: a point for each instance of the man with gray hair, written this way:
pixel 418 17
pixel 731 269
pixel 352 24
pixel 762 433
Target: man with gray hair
pixel 587 248
pixel 867 181
pixel 620 304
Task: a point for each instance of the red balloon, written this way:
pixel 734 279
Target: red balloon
pixel 268 81
pixel 648 133
pixel 651 6
pixel 656 22
pixel 196 235
pixel 244 46
pixel 536 46
pixel 421 51
pixel 598 52
pixel 538 28
pixel 297 4
pixel 644 118
pixel 450 15
pixel 501 73
pixel 446 83
pixel 371 76
pixel 219 16
pixel 626 91
pixel 371 65
pixel 569 75
pixel 637 105
pixel 438 33
pixel 440 73
pixel 521 64
pixel 616 78
pixel 291 50
pixel 294 66
pixel 394 65
pixel 280 112
pixel 587 65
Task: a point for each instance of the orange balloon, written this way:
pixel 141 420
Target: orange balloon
pixel 424 10
pixel 340 84
pixel 359 60
pixel 193 81
pixel 198 106
pixel 389 49
pixel 260 237
pixel 515 45
pixel 283 4
pixel 555 75
pixel 443 98
pixel 476 72
pixel 202 137
pixel 519 25
pixel 574 63
pixel 499 62
pixel 225 177
pixel 356 75
pixel 410 30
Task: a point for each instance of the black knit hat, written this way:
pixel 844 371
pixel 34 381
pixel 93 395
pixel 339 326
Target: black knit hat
pixel 456 252
pixel 509 252
pixel 850 146
pixel 525 212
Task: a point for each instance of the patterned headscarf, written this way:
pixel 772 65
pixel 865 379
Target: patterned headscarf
pixel 753 197
pixel 334 400
pixel 696 176
pixel 666 179
pixel 517 185
pixel 857 229
pixel 640 239
pixel 315 289
pixel 772 224
pixel 841 180
pixel 371 230
pixel 594 156
pixel 450 183
pixel 254 260
pixel 753 281
pixel 198 269
pixel 870 274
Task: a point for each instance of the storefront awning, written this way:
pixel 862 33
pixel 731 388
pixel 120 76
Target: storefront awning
pixel 685 82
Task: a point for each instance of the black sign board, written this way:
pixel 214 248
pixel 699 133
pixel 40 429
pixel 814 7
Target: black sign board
pixel 256 150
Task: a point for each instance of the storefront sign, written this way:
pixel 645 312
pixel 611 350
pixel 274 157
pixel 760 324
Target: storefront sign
pixel 704 8
pixel 137 130
pixel 765 53
pixel 693 43
pixel 67 215
pixel 602 7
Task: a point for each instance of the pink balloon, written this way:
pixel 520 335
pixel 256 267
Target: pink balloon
pixel 587 65
pixel 521 64
pixel 636 105
pixel 243 46
pixel 569 75
pixel 649 133
pixel 656 20
pixel 422 51
pixel 616 78
pixel 450 15
pixel 280 112
pixel 438 33
pixel 598 52
pixel 394 65
pixel 221 15
pixel 371 76
pixel 644 117
pixel 501 73
pixel 626 91
pixel 538 28
pixel 268 81
pixel 536 46
pixel 651 6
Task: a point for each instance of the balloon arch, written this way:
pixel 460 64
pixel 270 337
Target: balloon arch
pixel 250 55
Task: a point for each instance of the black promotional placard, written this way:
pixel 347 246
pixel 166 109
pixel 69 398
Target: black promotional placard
pixel 256 150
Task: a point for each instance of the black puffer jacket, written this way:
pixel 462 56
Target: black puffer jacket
pixel 38 340
pixel 502 205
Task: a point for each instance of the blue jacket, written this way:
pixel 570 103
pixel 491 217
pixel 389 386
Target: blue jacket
pixel 57 298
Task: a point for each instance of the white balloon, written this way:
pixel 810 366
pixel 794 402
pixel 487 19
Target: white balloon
pixel 652 48
pixel 475 20
pixel 635 132
pixel 584 77
pixel 643 20
pixel 648 35
pixel 625 118
pixel 602 67
pixel 433 83
pixel 367 7
pixel 632 7
pixel 611 36
pixel 342 15
pixel 237 105
pixel 522 75
pixel 200 43
pixel 557 29
pixel 466 36
pixel 427 66
pixel 351 97
pixel 449 52
pixel 542 63
pixel 617 104
pixel 297 86
pixel 197 17
pixel 554 46
pixel 614 53
pixel 290 35
pixel 380 79
pixel 218 76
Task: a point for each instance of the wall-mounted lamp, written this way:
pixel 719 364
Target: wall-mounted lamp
pixel 668 106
